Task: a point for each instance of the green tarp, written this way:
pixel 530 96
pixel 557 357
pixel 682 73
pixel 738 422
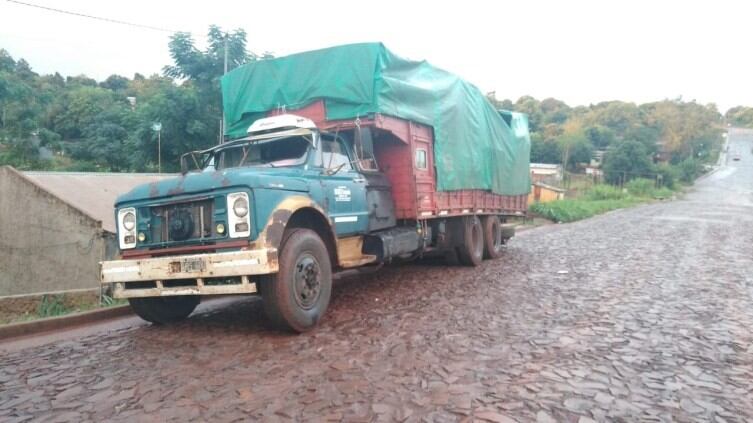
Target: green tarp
pixel 474 147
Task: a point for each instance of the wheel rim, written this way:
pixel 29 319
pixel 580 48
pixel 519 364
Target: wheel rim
pixel 307 282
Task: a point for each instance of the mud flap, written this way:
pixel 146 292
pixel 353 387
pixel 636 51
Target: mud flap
pixel 508 231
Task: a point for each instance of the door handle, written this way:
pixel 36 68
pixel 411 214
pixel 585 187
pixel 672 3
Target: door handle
pixel 359 179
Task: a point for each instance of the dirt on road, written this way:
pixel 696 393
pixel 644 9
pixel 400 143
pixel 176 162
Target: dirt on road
pixel 640 314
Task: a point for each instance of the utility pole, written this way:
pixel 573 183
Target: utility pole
pixel 222 121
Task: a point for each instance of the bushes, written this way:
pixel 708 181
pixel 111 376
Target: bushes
pixel 669 175
pixel 646 188
pixel 601 199
pixel 689 169
pixel 604 192
pixel 662 193
pixel 572 210
pixel 640 187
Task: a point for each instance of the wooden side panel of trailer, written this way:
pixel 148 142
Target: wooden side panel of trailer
pixel 404 151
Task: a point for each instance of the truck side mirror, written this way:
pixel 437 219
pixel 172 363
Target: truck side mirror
pixel 364 146
pixel 183 165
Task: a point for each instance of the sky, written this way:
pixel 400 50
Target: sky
pixel 581 52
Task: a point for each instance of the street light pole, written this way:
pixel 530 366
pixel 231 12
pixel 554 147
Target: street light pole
pixel 157 127
pixel 159 151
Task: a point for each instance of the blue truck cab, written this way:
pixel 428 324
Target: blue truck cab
pixel 286 202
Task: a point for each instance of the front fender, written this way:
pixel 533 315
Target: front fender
pixel 271 234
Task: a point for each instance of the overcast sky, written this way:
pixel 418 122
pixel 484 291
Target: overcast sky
pixel 578 51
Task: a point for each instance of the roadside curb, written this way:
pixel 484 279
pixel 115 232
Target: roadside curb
pixel 49 324
pixel 707 174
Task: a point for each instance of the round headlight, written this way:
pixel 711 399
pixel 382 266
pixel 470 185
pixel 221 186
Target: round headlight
pixel 129 221
pixel 220 228
pixel 240 207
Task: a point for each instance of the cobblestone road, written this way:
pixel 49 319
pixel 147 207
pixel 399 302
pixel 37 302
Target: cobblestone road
pixel 641 314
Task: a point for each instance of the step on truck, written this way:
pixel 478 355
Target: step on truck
pixel 335 161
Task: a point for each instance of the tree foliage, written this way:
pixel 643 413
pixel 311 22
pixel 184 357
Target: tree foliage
pixel 634 139
pixel 740 116
pixel 629 160
pixel 107 126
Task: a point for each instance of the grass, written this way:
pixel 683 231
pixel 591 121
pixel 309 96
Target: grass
pixel 58 305
pixel 601 199
pixel 577 209
pixel 51 306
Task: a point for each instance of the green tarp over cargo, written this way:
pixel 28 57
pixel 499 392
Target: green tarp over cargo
pixel 474 147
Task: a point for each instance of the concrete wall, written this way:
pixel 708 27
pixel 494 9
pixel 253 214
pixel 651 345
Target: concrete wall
pixel 45 244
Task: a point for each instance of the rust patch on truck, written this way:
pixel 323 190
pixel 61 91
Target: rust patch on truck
pixel 276 228
pixel 271 236
pixel 222 178
pixel 153 190
pixel 177 190
pixel 272 259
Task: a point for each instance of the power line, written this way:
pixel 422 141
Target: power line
pixel 99 18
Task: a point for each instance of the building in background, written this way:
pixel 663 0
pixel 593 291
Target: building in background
pixel 545 172
pixel 543 193
pixel 55 228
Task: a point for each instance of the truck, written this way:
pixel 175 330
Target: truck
pixel 336 161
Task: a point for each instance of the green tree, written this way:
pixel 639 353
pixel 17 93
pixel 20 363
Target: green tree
pixel 106 140
pixel 115 83
pixel 600 136
pixel 206 67
pixel 185 124
pixel 544 151
pixel 203 69
pixel 531 107
pixel 554 111
pixel 78 107
pixel 626 161
pixel 740 116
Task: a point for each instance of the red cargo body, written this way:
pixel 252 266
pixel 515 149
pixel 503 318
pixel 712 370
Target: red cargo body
pixel 397 143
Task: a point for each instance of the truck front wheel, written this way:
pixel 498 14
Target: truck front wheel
pixel 471 249
pixel 298 295
pixel 163 310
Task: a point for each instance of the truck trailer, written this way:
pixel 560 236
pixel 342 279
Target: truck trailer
pixel 337 161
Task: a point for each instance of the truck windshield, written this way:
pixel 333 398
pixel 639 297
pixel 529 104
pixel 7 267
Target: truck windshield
pixel 279 152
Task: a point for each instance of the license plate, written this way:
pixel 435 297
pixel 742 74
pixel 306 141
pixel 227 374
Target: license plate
pixel 192 265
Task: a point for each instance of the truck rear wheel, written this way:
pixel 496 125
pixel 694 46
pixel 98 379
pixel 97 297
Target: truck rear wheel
pixel 298 295
pixel 163 310
pixel 471 250
pixel 493 241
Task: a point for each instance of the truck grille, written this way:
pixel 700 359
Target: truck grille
pixel 183 221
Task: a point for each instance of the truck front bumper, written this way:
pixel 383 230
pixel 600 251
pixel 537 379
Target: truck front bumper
pixel 199 274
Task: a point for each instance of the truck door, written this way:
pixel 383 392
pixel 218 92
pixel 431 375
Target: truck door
pixel 343 186
pixel 379 202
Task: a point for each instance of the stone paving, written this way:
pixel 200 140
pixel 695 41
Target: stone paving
pixel 643 314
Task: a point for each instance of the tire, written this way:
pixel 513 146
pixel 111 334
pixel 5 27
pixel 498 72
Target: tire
pixel 164 310
pixel 493 241
pixel 471 249
pixel 296 298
